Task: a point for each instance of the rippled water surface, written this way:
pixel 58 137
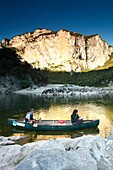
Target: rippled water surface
pixel 16 106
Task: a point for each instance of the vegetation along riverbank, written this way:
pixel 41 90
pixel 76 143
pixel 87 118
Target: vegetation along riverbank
pixel 16 75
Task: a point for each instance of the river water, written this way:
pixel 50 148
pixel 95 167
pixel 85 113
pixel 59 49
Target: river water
pixel 16 106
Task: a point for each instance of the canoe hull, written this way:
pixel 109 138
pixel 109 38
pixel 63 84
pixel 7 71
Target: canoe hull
pixel 54 127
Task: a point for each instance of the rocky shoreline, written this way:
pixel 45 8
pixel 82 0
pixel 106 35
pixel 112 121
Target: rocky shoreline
pixel 87 152
pixel 67 90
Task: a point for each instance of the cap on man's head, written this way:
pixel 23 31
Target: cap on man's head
pixel 31 109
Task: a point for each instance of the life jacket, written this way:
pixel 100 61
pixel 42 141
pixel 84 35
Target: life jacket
pixel 29 116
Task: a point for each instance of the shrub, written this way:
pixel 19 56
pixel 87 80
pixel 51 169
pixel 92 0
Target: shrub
pixel 26 83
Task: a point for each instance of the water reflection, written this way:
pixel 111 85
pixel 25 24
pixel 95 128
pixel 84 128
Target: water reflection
pixel 86 110
pixel 34 136
pixel 16 106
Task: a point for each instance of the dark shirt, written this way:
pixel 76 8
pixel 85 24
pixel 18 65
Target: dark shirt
pixel 74 117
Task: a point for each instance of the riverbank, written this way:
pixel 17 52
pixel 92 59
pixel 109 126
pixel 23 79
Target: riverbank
pixel 38 90
pixel 87 152
pixel 67 90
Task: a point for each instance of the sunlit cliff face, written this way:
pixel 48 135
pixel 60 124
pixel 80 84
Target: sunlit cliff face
pixel 87 111
pixel 62 50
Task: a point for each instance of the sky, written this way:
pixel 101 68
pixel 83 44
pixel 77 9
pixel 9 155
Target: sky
pixel 86 17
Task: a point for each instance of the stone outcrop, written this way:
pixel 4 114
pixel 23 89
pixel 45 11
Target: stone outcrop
pixel 61 50
pixel 4 43
pixel 68 90
pixel 5 141
pixel 87 152
pixel 77 91
pixel 8 84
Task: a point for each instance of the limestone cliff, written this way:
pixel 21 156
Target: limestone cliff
pixel 61 50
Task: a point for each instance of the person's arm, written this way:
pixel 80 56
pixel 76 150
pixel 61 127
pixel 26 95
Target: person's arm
pixel 72 117
pixel 28 116
pixel 77 116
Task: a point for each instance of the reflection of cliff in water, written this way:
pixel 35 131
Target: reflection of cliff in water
pixel 17 101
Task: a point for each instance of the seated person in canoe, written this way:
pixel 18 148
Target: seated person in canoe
pixel 75 117
pixel 29 117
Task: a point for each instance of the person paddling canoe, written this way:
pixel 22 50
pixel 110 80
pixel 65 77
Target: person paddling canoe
pixel 75 117
pixel 29 117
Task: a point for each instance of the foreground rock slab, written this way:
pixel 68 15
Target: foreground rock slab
pixel 87 152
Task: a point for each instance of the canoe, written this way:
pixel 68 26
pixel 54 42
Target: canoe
pixel 54 125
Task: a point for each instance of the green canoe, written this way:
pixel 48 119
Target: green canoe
pixel 54 125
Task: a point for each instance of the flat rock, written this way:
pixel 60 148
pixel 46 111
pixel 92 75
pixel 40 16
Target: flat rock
pixel 87 152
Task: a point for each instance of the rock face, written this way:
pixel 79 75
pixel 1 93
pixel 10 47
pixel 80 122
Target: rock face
pixel 68 90
pixel 8 84
pixel 4 43
pixel 87 152
pixel 78 91
pixel 61 50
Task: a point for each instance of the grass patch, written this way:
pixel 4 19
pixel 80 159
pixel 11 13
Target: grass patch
pixel 108 63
